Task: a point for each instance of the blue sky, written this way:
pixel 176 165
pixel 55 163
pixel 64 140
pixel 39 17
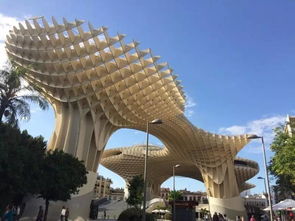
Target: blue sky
pixel 235 60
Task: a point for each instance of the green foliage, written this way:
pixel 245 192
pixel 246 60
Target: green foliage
pixel 168 216
pixel 20 164
pixel 133 214
pixel 175 195
pixel 15 95
pixel 284 188
pixel 135 189
pixel 62 175
pixel 25 168
pixel 161 207
pixel 204 211
pixel 283 162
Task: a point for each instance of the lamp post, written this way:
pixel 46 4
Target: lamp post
pixel 174 211
pixel 252 137
pixel 156 121
pixel 265 189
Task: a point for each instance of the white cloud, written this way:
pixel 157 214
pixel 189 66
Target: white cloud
pixel 262 127
pixel 6 24
pixel 189 105
pixel 233 130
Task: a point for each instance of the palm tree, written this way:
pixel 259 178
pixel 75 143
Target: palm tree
pixel 15 96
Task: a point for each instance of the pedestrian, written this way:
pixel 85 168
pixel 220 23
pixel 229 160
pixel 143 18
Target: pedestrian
pixel 215 217
pixel 104 214
pixel 238 218
pixel 7 216
pixel 13 212
pixel 63 214
pixel 22 208
pixel 17 212
pixel 220 217
pixel 225 217
pixel 40 214
pixel 252 218
pixel 67 214
pixel 291 216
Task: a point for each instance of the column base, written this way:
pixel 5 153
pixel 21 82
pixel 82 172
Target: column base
pixel 232 207
pixel 79 205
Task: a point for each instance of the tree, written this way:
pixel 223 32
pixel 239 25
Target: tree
pixel 175 195
pixel 14 96
pixel 62 175
pixel 20 164
pixel 25 168
pixel 283 188
pixel 135 189
pixel 283 162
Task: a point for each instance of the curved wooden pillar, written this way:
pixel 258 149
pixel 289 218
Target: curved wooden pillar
pixel 78 134
pixel 223 190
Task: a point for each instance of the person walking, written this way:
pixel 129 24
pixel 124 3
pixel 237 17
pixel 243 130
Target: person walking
pixel 17 212
pixel 8 216
pixel 220 217
pixel 67 214
pixel 63 214
pixel 13 210
pixel 215 217
pixel 252 218
pixel 225 217
pixel 40 214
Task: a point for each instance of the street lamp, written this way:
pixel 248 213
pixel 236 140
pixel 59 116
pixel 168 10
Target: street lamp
pixel 174 211
pixel 262 178
pixel 252 137
pixel 156 121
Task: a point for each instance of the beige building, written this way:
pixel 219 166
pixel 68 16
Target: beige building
pixel 102 187
pixel 198 196
pixel 98 84
pixel 290 125
pixel 164 193
pixel 255 202
pixel 116 194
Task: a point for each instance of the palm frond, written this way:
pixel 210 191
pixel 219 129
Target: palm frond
pixel 16 95
pixel 43 104
pixel 11 118
pixel 3 86
pixel 22 108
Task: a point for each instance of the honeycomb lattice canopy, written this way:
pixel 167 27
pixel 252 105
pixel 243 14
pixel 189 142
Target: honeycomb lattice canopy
pixel 128 161
pixel 97 84
pixel 98 71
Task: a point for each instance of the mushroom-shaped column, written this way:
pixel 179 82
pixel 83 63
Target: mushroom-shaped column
pixel 222 189
pixel 96 84
pixel 219 175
